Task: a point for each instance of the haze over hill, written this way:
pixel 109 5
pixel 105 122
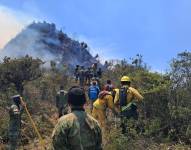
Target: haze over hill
pixel 44 41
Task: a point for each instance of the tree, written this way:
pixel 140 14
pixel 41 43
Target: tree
pixel 179 101
pixel 18 71
pixel 138 61
pixel 181 70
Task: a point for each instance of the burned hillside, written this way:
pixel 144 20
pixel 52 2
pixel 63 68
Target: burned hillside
pixel 44 41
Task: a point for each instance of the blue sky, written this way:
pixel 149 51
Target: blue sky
pixel 157 29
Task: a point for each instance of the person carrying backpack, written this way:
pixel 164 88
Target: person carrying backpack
pixel 93 93
pixel 125 99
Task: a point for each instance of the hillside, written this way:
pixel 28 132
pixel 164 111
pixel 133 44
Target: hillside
pixel 44 41
pixel 164 115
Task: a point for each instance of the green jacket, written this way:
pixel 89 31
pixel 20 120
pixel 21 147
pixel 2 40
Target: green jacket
pixel 61 99
pixel 77 131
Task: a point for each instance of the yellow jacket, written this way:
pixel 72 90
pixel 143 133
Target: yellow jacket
pixel 107 101
pixel 133 94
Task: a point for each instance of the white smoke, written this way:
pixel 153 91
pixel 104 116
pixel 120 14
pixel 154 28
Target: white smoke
pixel 9 26
pixel 42 40
pixel 28 43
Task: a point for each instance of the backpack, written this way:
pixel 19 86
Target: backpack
pixel 123 96
pixel 93 92
pixel 127 109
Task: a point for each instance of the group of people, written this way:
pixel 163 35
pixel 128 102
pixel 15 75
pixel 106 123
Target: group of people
pixel 76 129
pixel 121 101
pixel 84 75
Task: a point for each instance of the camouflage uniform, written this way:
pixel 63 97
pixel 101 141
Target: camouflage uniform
pixel 14 126
pixel 61 102
pixel 77 131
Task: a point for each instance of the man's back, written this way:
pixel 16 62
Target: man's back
pixel 93 92
pixel 77 131
pixel 132 94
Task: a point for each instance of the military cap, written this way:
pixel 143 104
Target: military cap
pixel 76 96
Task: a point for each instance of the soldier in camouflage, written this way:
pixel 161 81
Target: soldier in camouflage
pixel 15 122
pixel 61 102
pixel 77 130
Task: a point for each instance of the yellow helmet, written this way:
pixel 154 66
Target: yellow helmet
pixel 125 79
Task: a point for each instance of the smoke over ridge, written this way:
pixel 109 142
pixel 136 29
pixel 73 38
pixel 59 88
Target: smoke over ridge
pixel 44 41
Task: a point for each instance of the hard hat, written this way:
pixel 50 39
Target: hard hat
pixel 125 79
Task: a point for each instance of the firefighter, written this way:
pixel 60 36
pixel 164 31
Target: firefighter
pixel 126 98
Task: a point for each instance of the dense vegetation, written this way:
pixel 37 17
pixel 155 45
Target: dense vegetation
pixel 165 114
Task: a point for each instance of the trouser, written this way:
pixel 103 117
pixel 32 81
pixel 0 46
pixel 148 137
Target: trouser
pixel 131 112
pixel 125 116
pixel 99 114
pixel 14 139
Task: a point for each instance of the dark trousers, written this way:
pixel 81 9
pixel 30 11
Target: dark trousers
pixel 125 116
pixel 14 139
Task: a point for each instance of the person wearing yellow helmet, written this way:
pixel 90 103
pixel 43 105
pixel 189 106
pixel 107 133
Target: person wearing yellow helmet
pixel 125 99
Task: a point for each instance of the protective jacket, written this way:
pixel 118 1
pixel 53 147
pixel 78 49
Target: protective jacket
pixel 132 93
pixel 99 108
pixel 106 102
pixel 124 98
